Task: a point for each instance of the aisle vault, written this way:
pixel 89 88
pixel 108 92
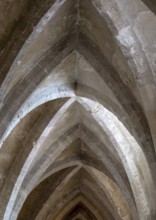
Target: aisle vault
pixel 77 110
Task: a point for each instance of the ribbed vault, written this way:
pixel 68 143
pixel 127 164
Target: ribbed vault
pixel 77 110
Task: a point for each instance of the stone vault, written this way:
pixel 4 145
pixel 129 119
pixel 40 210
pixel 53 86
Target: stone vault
pixel 77 110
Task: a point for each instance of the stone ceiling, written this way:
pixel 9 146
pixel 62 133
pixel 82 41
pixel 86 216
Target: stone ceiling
pixel 77 110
